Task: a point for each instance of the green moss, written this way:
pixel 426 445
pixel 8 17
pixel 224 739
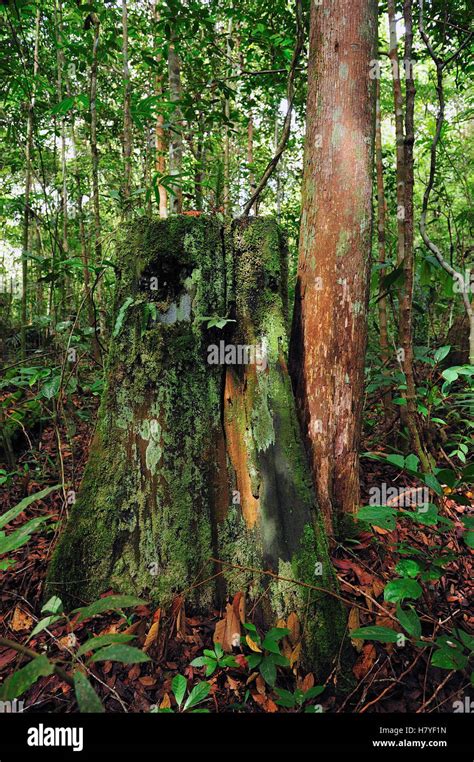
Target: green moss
pixel 143 519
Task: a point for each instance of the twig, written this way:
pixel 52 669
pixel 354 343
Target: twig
pixel 440 686
pixel 25 651
pixel 290 95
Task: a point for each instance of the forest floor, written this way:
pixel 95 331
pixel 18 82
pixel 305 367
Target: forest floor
pixel 387 678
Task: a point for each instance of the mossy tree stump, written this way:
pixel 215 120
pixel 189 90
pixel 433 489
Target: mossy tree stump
pixel 196 458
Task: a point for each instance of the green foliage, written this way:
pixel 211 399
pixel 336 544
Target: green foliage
pixel 197 695
pixel 19 537
pixel 214 659
pixel 111 647
pixel 266 654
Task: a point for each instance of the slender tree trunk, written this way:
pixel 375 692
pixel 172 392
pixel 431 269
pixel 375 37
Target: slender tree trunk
pixel 160 140
pixel 330 322
pixel 95 165
pixel 406 303
pixel 252 182
pixel 399 130
pixel 176 137
pixel 277 173
pixel 127 115
pixel 227 194
pixel 381 212
pixel 28 179
pixel 62 284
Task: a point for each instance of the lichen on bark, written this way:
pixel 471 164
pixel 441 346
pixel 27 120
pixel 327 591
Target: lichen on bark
pixel 178 438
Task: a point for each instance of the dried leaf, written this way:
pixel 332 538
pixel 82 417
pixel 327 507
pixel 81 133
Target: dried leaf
pixel 294 627
pixel 308 682
pixel 227 631
pixel 354 624
pixel 260 683
pixel 20 620
pixel 295 655
pixel 152 635
pixel 165 702
pixel 252 645
pixel 365 661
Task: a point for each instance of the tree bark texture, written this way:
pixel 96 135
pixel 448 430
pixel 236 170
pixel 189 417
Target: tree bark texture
pixel 194 460
pixel 330 322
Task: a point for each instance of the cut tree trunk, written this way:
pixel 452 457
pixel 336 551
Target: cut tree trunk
pixel 198 465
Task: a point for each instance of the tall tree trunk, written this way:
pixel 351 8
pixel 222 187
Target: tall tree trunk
pixel 160 510
pixel 62 284
pixel 176 127
pixel 250 157
pixel 406 303
pixel 127 115
pixel 160 141
pixel 95 165
pixel 227 194
pixel 382 303
pixel 28 179
pixel 330 322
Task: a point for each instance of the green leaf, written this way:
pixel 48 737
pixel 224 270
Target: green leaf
pixel 465 638
pixel 43 624
pixel 111 603
pixel 409 620
pixel 450 375
pixel 124 654
pixel 103 640
pixel 412 462
pixel 268 671
pixel 441 353
pixel 468 538
pixel 374 632
pixel 198 694
pixel 53 606
pixel 316 690
pixel 285 698
pixel 12 513
pixel 399 589
pixel 254 660
pixel 178 686
pixel 25 677
pixel 396 460
pixel 121 316
pixel 382 516
pixel 201 661
pixel 407 568
pixel 451 659
pixel 87 699
pixel 431 481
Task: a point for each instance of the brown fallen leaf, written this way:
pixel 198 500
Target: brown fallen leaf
pixel 260 683
pixel 20 620
pixel 294 627
pixel 353 624
pixel 365 661
pixel 295 654
pixel 227 631
pixel 165 702
pixel 308 682
pixel 134 672
pixel 152 635
pixel 148 681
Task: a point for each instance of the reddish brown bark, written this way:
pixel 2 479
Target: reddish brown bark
pixel 330 322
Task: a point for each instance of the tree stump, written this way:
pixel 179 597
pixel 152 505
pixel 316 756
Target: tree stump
pixel 198 453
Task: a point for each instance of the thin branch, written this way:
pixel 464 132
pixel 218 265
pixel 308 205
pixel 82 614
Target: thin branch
pixel 440 66
pixel 290 95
